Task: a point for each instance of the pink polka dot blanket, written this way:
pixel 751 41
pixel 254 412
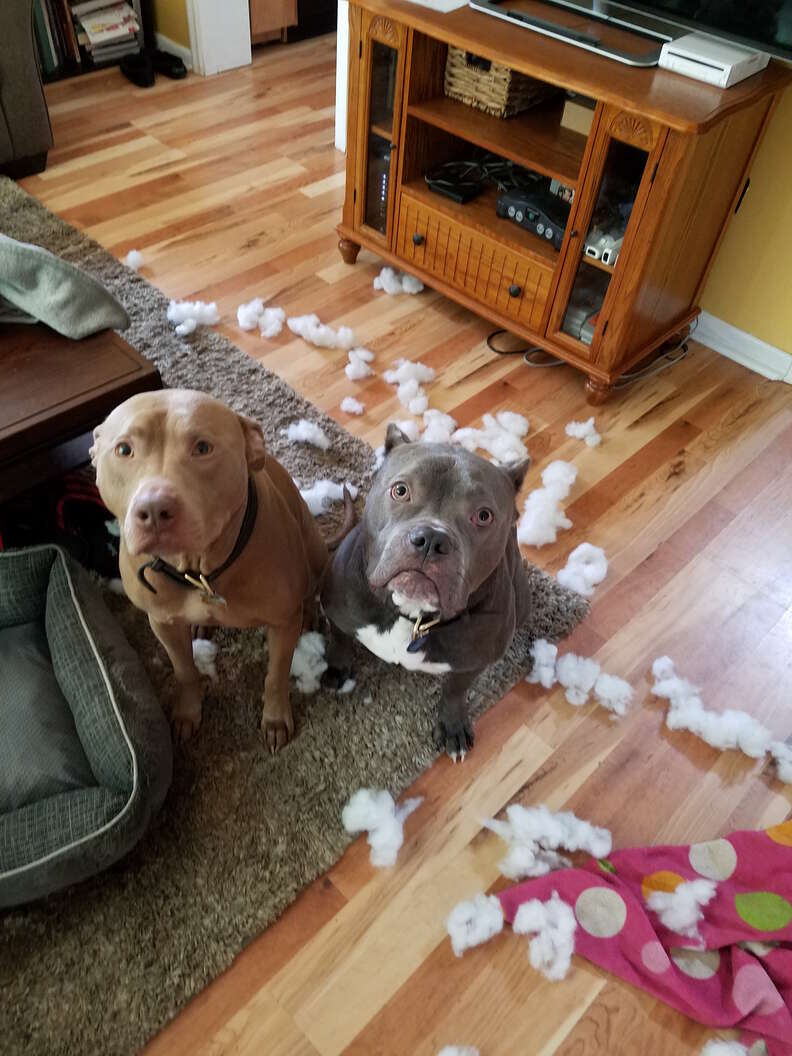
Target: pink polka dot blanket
pixel 733 969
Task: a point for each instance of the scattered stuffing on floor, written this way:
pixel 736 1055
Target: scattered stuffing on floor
pixel 418 404
pixel 553 925
pixel 349 405
pixel 362 353
pixel 305 432
pixel 204 655
pixel 134 259
pixel 458 1050
pixel 544 655
pixel 586 566
pixel 187 327
pixel 577 674
pixel 718 1047
pixel 186 315
pixel 394 282
pixel 308 663
pixel 323 493
pixel 534 834
pixel 782 756
pixel 439 427
pixel 410 429
pixel 271 322
pixel 499 436
pixel 680 910
pixel 584 431
pixel 248 314
pixel 347 686
pixel 727 729
pixel 358 366
pixel 474 921
pixel 373 811
pixel 310 329
pixel 405 370
pixel 613 693
pixel 542 514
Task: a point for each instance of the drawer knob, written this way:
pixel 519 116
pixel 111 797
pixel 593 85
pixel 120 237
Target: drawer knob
pixel 418 238
pixel 515 290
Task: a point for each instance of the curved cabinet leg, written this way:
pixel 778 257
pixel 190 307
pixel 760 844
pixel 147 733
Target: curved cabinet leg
pixel 348 249
pixel 597 391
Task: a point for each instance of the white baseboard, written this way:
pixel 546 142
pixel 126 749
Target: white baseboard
pixel 166 44
pixel 342 71
pixel 767 360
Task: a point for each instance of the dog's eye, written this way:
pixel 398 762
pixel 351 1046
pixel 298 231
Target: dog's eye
pixel 483 517
pixel 400 491
pixel 123 450
pixel 203 447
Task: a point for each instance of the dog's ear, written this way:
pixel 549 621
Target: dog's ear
pixel 516 471
pixel 255 447
pixel 93 450
pixel 393 437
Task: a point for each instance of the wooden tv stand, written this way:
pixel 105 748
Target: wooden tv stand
pixel 672 152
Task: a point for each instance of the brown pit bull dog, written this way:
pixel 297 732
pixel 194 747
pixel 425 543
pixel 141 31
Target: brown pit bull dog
pixel 213 532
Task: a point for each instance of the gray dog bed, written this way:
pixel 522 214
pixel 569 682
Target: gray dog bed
pixel 85 750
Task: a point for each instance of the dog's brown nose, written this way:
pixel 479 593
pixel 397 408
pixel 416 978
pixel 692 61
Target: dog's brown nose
pixel 154 508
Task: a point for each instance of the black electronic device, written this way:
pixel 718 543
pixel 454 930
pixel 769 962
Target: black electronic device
pixel 541 212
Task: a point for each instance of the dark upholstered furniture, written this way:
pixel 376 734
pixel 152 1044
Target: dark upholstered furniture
pixel 25 132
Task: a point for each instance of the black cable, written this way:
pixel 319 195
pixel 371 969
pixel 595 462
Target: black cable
pixel 525 351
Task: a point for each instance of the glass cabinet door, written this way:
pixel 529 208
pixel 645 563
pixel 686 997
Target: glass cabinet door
pixel 380 134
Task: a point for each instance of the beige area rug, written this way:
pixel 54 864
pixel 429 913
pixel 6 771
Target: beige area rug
pixel 101 968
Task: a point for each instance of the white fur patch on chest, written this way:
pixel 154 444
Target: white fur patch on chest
pixel 391 646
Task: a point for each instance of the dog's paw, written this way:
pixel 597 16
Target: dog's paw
pixel 335 677
pixel 455 737
pixel 184 726
pixel 277 731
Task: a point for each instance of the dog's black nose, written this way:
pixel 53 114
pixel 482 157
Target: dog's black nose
pixel 432 542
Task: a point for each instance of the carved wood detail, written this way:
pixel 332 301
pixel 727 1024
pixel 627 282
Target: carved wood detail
pixel 632 129
pixel 383 29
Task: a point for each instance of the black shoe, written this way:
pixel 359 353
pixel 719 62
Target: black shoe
pixel 169 65
pixel 138 69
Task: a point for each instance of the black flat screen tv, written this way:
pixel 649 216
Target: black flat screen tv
pixel 762 24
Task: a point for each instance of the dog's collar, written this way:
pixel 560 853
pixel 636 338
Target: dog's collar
pixel 192 580
pixel 424 623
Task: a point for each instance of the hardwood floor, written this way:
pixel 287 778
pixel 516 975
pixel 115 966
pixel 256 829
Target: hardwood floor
pixel 231 188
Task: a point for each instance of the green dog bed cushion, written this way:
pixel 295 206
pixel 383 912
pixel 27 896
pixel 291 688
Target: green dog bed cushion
pixel 85 750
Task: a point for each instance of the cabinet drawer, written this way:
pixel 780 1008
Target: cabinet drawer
pixel 516 285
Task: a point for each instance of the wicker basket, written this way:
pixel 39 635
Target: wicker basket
pixel 489 86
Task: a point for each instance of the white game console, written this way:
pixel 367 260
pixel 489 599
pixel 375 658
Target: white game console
pixel 710 60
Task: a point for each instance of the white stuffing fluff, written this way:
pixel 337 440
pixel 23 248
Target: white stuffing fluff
pixel 410 429
pixel 577 674
pixel 349 405
pixel 248 314
pixel 553 926
pixel 405 370
pixel 727 729
pixel 187 327
pixel 542 514
pixel 320 496
pixel 271 322
pixel 543 654
pixel 474 921
pixel 358 367
pixel 308 663
pixel 379 456
pixel 613 693
pixel 534 834
pixel 310 329
pixel 418 404
pixel 134 259
pixel 680 910
pixel 305 432
pixel 204 655
pixel 394 282
pixel 408 391
pixel 359 352
pixel 500 440
pixel 586 566
pixel 439 427
pixel 782 756
pixel 199 311
pixel 458 1050
pixel 347 686
pixel 719 1047
pixel 373 811
pixel 584 431
pixel 116 586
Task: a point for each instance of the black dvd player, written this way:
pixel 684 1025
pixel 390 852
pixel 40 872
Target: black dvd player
pixel 541 212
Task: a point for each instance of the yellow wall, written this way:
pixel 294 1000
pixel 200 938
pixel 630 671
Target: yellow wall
pixel 750 285
pixel 170 19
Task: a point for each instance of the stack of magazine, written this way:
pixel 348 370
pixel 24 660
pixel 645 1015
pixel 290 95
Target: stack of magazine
pixel 106 31
pixel 76 34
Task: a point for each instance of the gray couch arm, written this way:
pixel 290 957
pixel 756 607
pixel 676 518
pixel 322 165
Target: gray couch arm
pixel 25 131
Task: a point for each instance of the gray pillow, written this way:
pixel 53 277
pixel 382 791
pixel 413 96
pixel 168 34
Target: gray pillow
pixel 53 291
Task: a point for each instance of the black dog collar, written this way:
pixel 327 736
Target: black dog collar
pixel 423 625
pixel 192 580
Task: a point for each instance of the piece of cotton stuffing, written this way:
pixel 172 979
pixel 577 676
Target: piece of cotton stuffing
pixel 271 322
pixel 374 811
pixel 782 757
pixel 134 259
pixel 248 314
pixel 320 496
pixel 439 427
pixel 418 404
pixel 584 431
pixel 681 910
pixel 513 422
pixel 346 687
pixel 613 693
pixel 199 311
pixel 310 329
pixel 394 282
pixel 553 925
pixel 357 368
pixel 542 515
pixel 458 1050
pixel 305 432
pixel 474 921
pixel 186 327
pixel 406 370
pixel 535 834
pixel 577 674
pixel 543 654
pixel 409 428
pixel 349 405
pixel 586 566
pixel 308 662
pixel 720 1047
pixel 204 654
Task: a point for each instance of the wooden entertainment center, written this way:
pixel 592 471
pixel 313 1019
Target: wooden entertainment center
pixel 678 150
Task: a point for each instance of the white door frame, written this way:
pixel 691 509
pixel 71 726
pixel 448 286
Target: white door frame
pixel 219 34
pixel 342 75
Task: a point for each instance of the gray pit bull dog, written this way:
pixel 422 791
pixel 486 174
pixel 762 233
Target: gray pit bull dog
pixel 432 577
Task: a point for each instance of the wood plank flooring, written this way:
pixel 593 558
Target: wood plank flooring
pixel 231 188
